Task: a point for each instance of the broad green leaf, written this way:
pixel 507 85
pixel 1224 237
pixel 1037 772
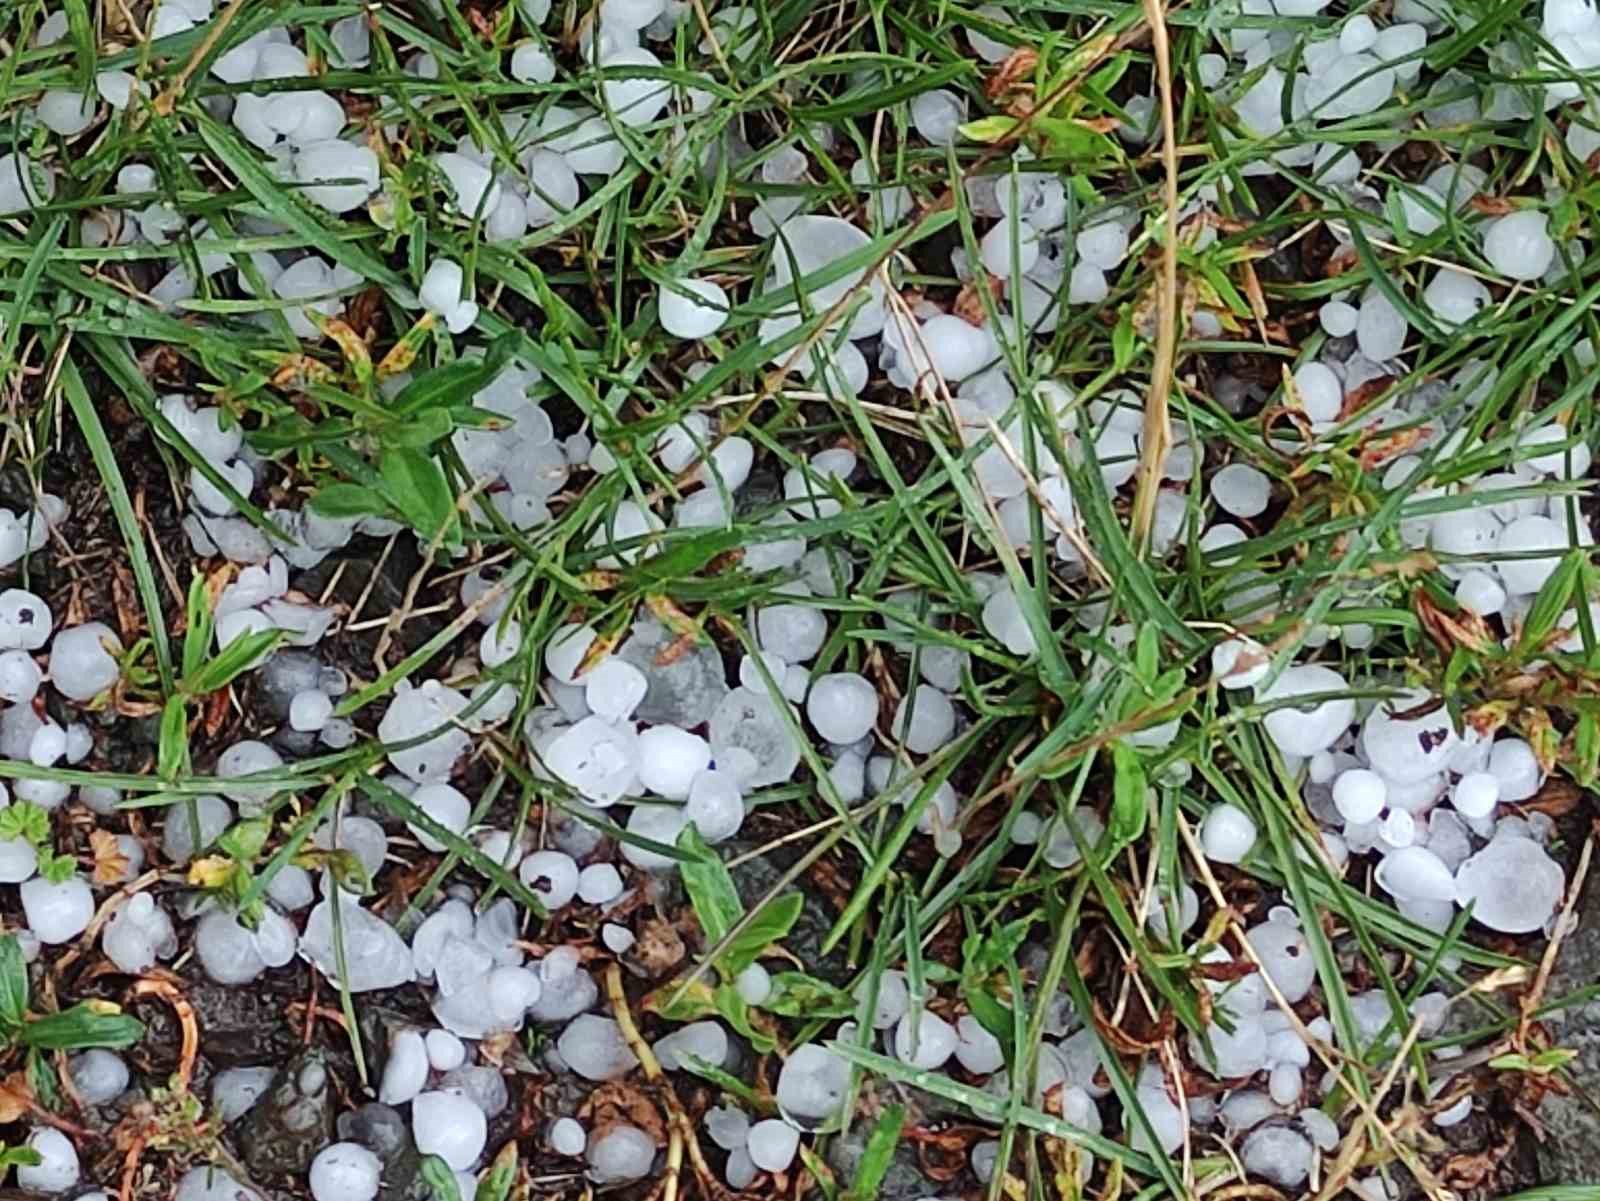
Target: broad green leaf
pixel 349 500
pixel 736 1013
pixel 771 924
pixel 797 995
pixel 1130 795
pixel 418 432
pixel 416 486
pixel 456 382
pixel 84 1025
pixel 1554 599
pixel 13 983
pixel 710 886
pixel 244 839
pixel 502 1174
pixel 197 637
pixel 436 1174
pixel 172 752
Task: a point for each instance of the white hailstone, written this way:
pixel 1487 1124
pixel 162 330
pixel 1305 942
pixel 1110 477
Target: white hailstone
pixel 670 759
pixel 621 1154
pixel 48 745
pixel 441 294
pixel 925 719
pixel 1103 245
pixel 447 806
pixel 937 115
pixel 812 1085
pixel 1516 769
pixel 1240 663
pixel 1513 886
pixel 138 933
pixel 57 913
pixel 556 871
pixel 1295 730
pixel 772 1145
pixel 594 1048
pixel 98 1075
pixel 1010 249
pixel 1555 462
pixel 568 1137
pixel 753 984
pixel 926 1043
pixel 794 632
pixel 1227 833
pixel 1004 621
pixel 1526 536
pixel 345 1172
pixel 18 860
pixel 1320 393
pixel 25 621
pixel 65 112
pixel 843 707
pixel 634 101
pixel 1241 490
pixel 1285 956
pixel 446 1052
pixel 594 149
pixel 1338 318
pixel 1455 297
pixel 1358 34
pixel 1480 592
pixel 618 939
pixel 706 1041
pixel 597 760
pixel 426 717
pixel 1408 750
pixel 228 952
pixel 57 1169
pixel 1279 1154
pixel 450 1125
pixel 956 349
pixel 1476 794
pixel 1415 873
pixel 1360 795
pixel 1380 327
pixel 1518 245
pixel 24 184
pixel 235 1090
pixel 565 651
pixel 715 806
pixel 599 883
pixel 531 63
pixel 310 710
pixel 978 1051
pixel 1422 209
pixel 335 175
pixel 692 308
pixel 82 662
pixel 500 643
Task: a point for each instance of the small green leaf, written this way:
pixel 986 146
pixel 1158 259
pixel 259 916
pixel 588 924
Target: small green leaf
pixel 82 1026
pixel 415 485
pixel 454 381
pixel 736 1013
pixel 24 819
pixel 436 1174
pixel 172 751
pixel 1554 599
pixel 710 886
pixel 197 638
pixel 18 1157
pixel 13 983
pixel 771 924
pixel 797 995
pixel 502 1174
pixel 419 432
pixel 57 869
pixel 244 839
pixel 987 129
pixel 1130 795
pixel 677 1002
pixel 239 656
pixel 1124 341
pixel 349 500
pixel 878 1155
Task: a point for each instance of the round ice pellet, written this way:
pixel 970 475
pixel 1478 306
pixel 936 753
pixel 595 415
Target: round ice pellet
pixel 1476 794
pixel 1518 245
pixel 843 706
pixel 1227 834
pixel 345 1172
pixel 1241 490
pixel 692 308
pixel 1360 795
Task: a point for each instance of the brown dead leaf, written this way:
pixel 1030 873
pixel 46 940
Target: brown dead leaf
pixel 1132 1042
pixel 942 1154
pixel 110 864
pixel 1377 451
pixel 618 1103
pixel 1013 75
pixel 16 1098
pixel 969 301
pixel 1364 394
pixel 1492 206
pixel 657 950
pixel 1451 630
pixel 1557 798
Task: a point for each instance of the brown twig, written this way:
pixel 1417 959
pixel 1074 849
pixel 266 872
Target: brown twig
pixel 1157 440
